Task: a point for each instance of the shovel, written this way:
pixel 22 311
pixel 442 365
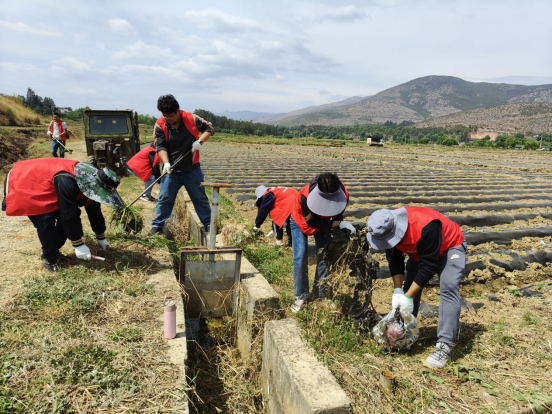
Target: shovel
pixel 64 147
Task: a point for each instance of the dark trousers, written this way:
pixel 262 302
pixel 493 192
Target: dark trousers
pixel 280 231
pixel 50 233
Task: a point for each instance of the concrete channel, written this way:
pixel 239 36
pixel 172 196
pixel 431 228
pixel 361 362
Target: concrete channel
pixel 293 380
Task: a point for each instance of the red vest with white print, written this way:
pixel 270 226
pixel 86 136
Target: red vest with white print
pixel 285 198
pixel 190 125
pixel 31 189
pixel 418 218
pixel 140 163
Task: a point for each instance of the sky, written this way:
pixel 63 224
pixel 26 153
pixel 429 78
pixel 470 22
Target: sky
pixel 264 56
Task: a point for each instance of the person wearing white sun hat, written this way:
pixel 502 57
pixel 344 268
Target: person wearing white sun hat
pixel 435 245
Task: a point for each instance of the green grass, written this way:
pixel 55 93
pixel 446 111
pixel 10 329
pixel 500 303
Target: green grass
pixel 270 260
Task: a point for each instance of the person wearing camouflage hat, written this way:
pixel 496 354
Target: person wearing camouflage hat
pixel 50 191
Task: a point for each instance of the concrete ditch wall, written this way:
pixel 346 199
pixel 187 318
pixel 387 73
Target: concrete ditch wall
pixel 293 380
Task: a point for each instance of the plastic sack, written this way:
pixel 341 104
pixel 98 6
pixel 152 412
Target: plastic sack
pixel 397 331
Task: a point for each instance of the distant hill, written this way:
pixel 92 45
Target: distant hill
pixel 244 115
pixel 275 119
pixel 534 117
pixel 14 113
pixel 419 100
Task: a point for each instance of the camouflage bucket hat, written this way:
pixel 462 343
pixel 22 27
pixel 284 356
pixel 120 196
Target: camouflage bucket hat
pixel 98 185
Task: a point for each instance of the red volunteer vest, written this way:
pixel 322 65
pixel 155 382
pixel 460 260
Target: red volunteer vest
pixel 140 164
pixel 189 123
pixel 60 128
pixel 297 213
pixel 418 218
pixel 31 189
pixel 285 197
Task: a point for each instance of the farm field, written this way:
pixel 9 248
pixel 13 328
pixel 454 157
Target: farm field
pixel 503 201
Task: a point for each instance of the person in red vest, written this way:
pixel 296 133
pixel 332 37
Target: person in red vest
pixel 142 165
pixel 177 133
pixel 50 191
pixel 318 208
pixel 278 202
pixel 435 245
pixel 57 130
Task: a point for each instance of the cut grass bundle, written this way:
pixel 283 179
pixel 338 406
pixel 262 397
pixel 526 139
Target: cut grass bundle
pixel 128 219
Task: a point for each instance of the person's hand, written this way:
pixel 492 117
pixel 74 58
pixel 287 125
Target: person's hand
pixel 103 244
pixel 348 226
pixel 397 294
pixel 196 146
pixel 406 305
pixel 83 252
pixel 167 169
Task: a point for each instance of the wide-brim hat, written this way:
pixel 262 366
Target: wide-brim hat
pixel 98 185
pixel 260 190
pixel 386 228
pixel 326 204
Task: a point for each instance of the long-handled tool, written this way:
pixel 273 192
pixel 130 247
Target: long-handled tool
pixel 161 176
pixel 64 147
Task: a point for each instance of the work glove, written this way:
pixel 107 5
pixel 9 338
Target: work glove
pixel 196 146
pixel 83 252
pixel 403 302
pixel 167 169
pixel 348 226
pixel 103 244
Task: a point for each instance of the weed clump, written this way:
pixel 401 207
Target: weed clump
pixel 127 219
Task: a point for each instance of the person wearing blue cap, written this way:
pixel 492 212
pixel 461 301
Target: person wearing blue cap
pixel 435 245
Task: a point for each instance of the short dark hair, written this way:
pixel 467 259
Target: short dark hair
pixel 328 183
pixel 167 104
pixel 55 113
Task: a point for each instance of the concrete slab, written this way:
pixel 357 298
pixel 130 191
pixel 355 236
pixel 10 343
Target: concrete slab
pixel 293 380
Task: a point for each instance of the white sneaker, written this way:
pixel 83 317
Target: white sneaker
pixel 297 305
pixel 439 357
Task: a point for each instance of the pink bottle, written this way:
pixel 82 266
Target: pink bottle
pixel 170 319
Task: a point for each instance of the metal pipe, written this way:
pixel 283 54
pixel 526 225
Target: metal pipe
pixel 214 216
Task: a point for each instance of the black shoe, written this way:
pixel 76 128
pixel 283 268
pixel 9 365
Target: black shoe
pixel 51 267
pixel 59 259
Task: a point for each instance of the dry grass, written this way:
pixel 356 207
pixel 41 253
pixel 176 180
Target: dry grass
pixel 13 113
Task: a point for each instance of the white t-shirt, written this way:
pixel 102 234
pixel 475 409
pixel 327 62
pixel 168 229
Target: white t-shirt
pixel 56 129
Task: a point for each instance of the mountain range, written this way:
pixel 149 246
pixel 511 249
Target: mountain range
pixel 416 101
pixel 245 115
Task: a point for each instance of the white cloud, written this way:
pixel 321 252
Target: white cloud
pixel 216 19
pixel 82 91
pixel 70 65
pixel 143 51
pixel 120 26
pixel 339 14
pixel 24 28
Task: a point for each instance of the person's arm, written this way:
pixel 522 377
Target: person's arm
pixel 428 250
pixel 48 131
pixel 96 218
pixel 154 160
pixel 64 128
pixel 67 191
pixel 162 144
pixel 267 203
pixel 206 129
pixel 395 259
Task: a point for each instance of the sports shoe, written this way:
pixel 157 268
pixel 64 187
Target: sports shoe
pixel 155 230
pixel 149 198
pixel 297 305
pixel 439 357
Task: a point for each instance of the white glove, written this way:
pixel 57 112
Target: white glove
pixel 196 145
pixel 348 226
pixel 103 244
pixel 167 169
pixel 406 305
pixel 83 252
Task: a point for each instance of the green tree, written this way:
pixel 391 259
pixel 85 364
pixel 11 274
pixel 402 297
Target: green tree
pixel 48 106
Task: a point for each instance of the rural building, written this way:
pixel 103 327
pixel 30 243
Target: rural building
pixel 375 141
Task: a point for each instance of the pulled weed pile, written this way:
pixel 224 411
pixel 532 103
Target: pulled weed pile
pixel 128 219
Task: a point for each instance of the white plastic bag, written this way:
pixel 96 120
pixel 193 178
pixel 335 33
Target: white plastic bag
pixel 396 331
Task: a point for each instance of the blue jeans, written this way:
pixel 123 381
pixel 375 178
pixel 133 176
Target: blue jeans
pixel 301 262
pixel 148 182
pixel 170 185
pixel 54 148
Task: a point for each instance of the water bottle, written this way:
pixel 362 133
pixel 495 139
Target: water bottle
pixel 170 319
